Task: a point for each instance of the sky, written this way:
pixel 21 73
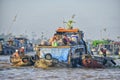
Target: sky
pixel 34 17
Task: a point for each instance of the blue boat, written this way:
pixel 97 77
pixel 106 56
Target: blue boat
pixel 9 46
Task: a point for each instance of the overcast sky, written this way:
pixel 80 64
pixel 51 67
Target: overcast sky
pixel 36 16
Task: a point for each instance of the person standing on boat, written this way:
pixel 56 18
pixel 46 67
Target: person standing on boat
pixel 16 54
pixel 74 37
pixel 53 39
pixel 22 51
pixel 55 43
pixel 103 51
pixel 66 40
pixel 38 53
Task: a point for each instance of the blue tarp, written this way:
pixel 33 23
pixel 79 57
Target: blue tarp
pixel 59 53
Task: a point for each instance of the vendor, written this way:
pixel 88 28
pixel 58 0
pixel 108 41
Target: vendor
pixel 74 38
pixel 38 53
pixel 16 54
pixel 66 40
pixel 53 39
pixel 22 51
pixel 103 51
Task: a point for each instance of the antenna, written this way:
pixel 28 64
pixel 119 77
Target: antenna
pixel 13 21
pixel 64 22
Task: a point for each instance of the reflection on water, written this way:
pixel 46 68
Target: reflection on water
pixel 30 73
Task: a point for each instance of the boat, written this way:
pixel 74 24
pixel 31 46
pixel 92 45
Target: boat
pixel 43 63
pixel 69 54
pixel 22 61
pixel 73 55
pixel 12 44
pixel 89 61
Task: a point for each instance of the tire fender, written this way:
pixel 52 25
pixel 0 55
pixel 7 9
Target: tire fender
pixel 48 56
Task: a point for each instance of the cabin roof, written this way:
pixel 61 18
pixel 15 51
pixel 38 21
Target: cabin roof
pixel 67 30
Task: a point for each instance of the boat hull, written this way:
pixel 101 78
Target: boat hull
pixel 20 61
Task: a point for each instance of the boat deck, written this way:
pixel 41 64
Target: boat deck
pixel 53 47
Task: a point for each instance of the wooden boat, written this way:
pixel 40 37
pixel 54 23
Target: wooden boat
pixel 24 61
pixel 91 63
pixel 43 63
pixel 97 62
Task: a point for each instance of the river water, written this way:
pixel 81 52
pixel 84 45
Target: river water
pixel 7 72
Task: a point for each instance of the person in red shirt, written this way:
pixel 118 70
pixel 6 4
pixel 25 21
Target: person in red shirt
pixel 103 51
pixel 66 40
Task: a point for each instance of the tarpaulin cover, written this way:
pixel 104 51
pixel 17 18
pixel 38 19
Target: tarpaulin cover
pixel 59 53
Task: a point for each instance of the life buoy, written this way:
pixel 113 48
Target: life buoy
pixel 25 59
pixel 88 61
pixel 48 56
pixel 32 59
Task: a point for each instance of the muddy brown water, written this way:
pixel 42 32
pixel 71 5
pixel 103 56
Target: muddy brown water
pixel 7 72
